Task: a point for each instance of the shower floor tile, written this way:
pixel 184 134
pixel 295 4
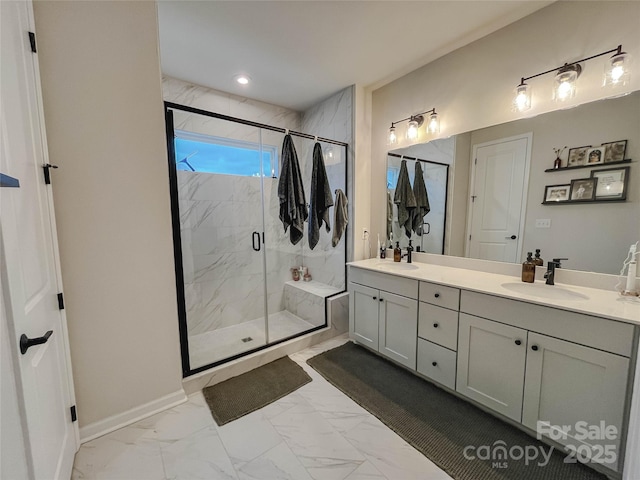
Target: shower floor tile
pixel 209 347
pixel 314 433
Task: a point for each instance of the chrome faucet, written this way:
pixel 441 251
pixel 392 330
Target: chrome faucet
pixel 408 254
pixel 551 270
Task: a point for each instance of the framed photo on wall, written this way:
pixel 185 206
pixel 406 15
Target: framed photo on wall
pixel 583 189
pixel 614 151
pixel 611 183
pixel 595 155
pixel 578 156
pixel 556 193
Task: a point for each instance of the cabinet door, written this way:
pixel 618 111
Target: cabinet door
pixel 568 383
pixel 398 331
pixel 363 314
pixel 491 361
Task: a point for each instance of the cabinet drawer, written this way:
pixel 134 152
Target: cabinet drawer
pixel 385 281
pixel 444 370
pixel 447 297
pixel 596 332
pixel 438 325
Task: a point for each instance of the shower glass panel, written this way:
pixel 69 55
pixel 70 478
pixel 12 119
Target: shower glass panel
pixel 435 177
pixel 236 292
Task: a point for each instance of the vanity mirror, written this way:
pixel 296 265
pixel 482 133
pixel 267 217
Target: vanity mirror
pixel 508 180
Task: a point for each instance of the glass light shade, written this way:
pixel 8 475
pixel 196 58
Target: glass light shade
pixel 616 70
pixel 434 123
pixel 393 138
pixel 564 85
pixel 412 130
pixel 522 100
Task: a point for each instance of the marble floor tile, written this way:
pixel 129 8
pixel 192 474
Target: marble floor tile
pixel 314 433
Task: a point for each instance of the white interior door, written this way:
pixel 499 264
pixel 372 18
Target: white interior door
pixel 499 189
pixel 30 264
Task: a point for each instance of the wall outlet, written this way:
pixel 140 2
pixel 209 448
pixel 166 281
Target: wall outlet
pixel 543 223
pixel 365 233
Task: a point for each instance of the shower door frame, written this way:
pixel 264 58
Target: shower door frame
pixel 177 238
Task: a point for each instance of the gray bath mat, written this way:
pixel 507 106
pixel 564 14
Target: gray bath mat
pixel 437 423
pixel 250 391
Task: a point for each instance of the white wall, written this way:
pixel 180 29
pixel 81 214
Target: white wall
pixel 103 109
pixel 472 87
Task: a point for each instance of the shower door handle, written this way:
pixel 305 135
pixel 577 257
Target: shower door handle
pixel 256 241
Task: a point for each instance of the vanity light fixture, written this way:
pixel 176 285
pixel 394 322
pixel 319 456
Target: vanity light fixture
pixel 564 85
pixel 415 122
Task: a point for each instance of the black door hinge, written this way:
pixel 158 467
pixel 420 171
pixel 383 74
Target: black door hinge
pixel 74 415
pixel 60 301
pixel 47 176
pixel 32 41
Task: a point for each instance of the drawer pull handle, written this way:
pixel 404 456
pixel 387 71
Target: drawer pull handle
pixel 518 342
pixel 534 348
pixel 435 364
pixel 381 299
pixel 375 298
pixel 437 295
pixel 435 325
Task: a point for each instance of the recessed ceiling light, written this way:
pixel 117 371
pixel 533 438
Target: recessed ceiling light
pixel 242 79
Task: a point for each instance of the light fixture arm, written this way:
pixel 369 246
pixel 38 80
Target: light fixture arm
pixel 418 117
pixel 617 51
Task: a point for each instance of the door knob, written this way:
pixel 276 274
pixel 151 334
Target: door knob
pixel 26 342
pixel 534 348
pixel 512 237
pixel 435 325
pixel 518 342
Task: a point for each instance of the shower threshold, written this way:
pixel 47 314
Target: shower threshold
pixel 215 345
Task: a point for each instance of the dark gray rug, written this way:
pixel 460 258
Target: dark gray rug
pixel 238 396
pixel 438 424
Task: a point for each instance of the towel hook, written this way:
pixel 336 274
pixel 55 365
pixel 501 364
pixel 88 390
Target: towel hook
pixel 315 138
pixel 286 131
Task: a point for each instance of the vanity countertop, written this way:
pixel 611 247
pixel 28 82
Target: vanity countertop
pixel 590 301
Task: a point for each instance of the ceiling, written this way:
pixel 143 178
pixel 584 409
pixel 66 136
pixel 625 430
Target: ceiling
pixel 298 53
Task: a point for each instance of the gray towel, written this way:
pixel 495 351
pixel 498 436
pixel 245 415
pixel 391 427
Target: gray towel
pixel 340 217
pixel 422 200
pixel 321 198
pixel 404 199
pixel 293 204
pixel 389 216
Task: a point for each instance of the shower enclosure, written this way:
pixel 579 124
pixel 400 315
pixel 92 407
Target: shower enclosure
pixel 235 287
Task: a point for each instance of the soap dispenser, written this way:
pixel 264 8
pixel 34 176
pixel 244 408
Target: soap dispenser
pixel 397 253
pixel 537 260
pixel 529 269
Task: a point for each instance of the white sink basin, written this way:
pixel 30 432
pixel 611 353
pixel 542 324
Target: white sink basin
pixel 553 292
pixel 396 266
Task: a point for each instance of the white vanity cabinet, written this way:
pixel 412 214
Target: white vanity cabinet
pixel 383 314
pixel 491 364
pixel 438 333
pixel 516 364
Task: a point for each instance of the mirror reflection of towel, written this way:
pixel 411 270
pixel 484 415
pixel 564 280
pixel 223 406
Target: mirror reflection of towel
pixel 293 204
pixel 422 200
pixel 321 198
pixel 405 199
pixel 340 217
pixel 389 216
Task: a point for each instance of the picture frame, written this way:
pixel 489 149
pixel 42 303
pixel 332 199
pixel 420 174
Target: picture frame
pixel 583 189
pixel 556 193
pixel 611 183
pixel 614 151
pixel 577 156
pixel 595 156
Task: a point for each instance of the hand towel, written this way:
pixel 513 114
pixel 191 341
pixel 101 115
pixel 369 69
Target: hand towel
pixel 293 203
pixel 404 199
pixel 389 216
pixel 422 200
pixel 321 197
pixel 340 217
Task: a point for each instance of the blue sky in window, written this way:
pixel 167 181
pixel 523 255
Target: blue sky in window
pixel 192 155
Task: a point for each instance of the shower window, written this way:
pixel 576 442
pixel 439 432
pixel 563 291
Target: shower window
pixel 209 154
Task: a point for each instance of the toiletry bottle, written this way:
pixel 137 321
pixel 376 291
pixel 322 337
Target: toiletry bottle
pixel 383 252
pixel 537 260
pixel 397 253
pixel 529 269
pixel 379 249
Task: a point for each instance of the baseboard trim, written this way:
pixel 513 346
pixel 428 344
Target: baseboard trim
pixel 115 422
